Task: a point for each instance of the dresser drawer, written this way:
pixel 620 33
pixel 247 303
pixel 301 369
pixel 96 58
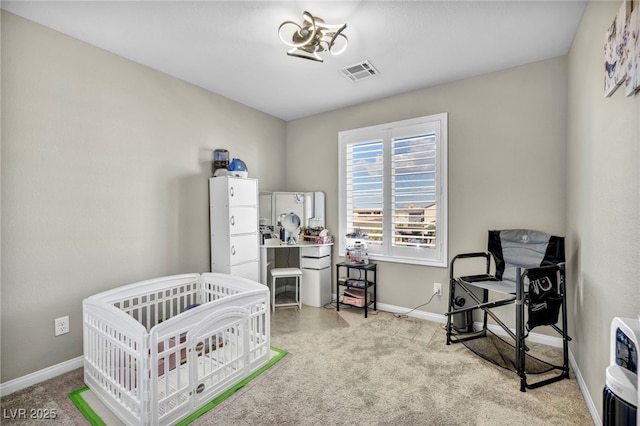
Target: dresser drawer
pixel 242 192
pixel 249 270
pixel 315 262
pixel 315 251
pixel 243 220
pixel 243 248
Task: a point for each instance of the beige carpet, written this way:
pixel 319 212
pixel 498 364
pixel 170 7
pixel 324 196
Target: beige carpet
pixel 391 371
pixel 344 369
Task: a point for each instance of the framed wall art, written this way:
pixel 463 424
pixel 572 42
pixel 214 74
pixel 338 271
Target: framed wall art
pixel 616 52
pixel 632 82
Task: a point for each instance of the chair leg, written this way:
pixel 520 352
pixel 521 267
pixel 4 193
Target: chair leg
pixel 273 294
pixel 450 309
pixel 519 341
pixel 565 332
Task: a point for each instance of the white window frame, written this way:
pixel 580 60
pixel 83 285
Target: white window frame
pixel 437 124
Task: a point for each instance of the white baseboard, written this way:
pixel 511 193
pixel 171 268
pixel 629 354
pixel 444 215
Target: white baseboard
pixel 40 376
pixel 583 388
pixel 495 329
pixel 414 314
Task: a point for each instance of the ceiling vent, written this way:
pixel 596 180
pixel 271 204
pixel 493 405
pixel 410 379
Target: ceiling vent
pixel 359 71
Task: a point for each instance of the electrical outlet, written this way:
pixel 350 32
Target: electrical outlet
pixel 437 289
pixel 61 325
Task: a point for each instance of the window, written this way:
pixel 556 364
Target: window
pixel 393 190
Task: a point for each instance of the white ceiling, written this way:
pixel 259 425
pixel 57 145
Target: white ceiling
pixel 232 47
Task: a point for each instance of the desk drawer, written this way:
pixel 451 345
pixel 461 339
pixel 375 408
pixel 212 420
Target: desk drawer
pixel 315 262
pixel 315 251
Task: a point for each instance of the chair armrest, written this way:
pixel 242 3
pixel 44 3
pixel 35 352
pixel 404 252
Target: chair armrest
pixel 466 255
pixel 486 255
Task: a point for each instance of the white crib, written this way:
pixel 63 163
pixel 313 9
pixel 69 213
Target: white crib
pixel 153 357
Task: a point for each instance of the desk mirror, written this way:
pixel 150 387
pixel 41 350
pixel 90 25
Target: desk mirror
pixel 309 206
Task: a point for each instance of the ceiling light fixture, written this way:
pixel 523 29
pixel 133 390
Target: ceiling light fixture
pixel 313 37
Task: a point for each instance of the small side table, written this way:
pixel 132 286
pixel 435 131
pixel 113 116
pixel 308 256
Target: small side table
pixel 360 283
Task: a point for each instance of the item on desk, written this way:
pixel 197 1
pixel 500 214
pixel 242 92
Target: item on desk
pixel 357 253
pixel 275 241
pixel 266 233
pixel 269 238
pixel 314 232
pixel 318 235
pixel 318 240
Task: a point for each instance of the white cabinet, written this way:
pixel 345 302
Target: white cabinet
pixel 233 206
pixel 316 279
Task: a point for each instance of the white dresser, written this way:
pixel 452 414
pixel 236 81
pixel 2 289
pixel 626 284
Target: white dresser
pixel 316 268
pixel 233 213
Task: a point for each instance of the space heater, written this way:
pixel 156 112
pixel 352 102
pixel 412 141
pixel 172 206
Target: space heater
pixel 620 395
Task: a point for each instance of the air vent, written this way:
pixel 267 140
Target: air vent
pixel 359 71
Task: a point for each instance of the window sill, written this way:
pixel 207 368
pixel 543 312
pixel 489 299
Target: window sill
pixel 407 260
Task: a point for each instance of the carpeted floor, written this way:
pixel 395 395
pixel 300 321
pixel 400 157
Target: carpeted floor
pixel 344 369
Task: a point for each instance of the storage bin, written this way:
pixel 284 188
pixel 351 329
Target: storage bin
pixel 355 297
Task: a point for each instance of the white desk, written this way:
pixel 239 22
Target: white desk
pixel 313 259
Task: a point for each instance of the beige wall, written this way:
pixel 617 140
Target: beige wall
pixel 104 181
pixel 603 203
pixel 507 138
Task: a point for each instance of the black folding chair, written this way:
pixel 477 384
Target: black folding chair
pixel 529 271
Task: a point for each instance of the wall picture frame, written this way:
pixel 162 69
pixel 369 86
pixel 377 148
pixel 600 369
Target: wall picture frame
pixel 632 83
pixel 616 53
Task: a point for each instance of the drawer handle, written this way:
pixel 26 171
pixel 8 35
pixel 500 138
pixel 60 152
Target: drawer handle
pixel 200 388
pixel 233 250
pixel 199 347
pixel 233 220
pixel 231 191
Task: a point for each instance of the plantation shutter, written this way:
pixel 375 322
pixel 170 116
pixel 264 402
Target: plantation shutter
pixel 414 191
pixel 364 181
